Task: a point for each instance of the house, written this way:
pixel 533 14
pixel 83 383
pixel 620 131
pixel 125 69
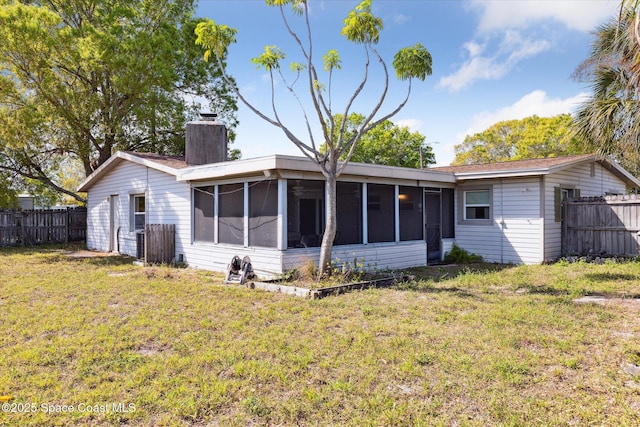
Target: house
pixel 272 208
pixel 510 212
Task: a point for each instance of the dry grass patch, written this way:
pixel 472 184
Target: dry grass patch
pixel 470 346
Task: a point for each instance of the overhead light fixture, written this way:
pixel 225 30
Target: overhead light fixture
pixel 298 190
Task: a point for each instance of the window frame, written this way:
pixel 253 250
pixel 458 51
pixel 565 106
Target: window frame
pixel 462 210
pixel 135 214
pixel 559 193
pixel 230 199
pixel 197 237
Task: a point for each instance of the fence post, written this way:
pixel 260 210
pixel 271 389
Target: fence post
pixel 146 244
pixel 23 234
pixel 563 233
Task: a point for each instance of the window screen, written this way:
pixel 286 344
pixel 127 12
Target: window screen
pixel 203 214
pixel 139 212
pixel 448 214
pixel 231 214
pixel 411 219
pixel 477 204
pixel 349 213
pixel 381 213
pixel 263 214
pixel 305 212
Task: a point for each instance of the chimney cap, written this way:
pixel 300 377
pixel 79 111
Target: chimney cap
pixel 209 116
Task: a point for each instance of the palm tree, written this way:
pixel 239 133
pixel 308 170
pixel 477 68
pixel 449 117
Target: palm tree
pixel 609 121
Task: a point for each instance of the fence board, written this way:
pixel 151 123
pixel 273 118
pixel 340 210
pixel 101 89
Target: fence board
pixel 601 226
pixel 160 243
pixel 33 227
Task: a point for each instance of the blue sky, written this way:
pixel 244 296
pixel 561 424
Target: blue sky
pixel 492 61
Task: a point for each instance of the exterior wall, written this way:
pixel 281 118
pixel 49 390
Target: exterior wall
pixel 447 246
pixel 167 202
pixel 170 202
pixel 522 228
pixel 371 256
pixel 514 234
pixel 578 177
pixel 266 262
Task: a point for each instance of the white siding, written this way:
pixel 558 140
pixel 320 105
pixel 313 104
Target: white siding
pixel 167 202
pixel 515 232
pixel 373 256
pixel 266 262
pixel 578 177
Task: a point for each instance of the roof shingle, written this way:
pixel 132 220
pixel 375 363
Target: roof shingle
pixel 512 165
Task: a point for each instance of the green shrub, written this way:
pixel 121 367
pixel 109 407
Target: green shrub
pixel 457 255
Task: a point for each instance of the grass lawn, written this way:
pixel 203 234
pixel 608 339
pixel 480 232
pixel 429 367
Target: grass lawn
pixel 98 341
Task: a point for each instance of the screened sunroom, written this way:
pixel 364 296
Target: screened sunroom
pixel 273 210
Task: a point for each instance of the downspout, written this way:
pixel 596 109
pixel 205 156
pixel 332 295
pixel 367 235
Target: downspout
pixel 147 205
pixel 502 224
pixel 543 220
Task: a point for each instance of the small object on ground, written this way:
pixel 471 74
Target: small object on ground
pixel 632 369
pixel 239 271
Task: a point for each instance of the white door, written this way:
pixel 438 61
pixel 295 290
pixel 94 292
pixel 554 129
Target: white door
pixel 114 223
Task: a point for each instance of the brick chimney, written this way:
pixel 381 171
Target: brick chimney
pixel 206 141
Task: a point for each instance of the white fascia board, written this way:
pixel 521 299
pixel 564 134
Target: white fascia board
pixel 298 164
pixel 398 173
pixel 622 173
pixel 116 159
pixel 501 174
pixel 150 164
pixel 227 169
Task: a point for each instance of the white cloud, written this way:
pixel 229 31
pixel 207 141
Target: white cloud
pixel 401 19
pixel 512 49
pixel 535 103
pixel 576 15
pixel 413 124
pixel 502 25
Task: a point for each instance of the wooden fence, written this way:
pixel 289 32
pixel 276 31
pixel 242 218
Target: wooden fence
pixel 607 225
pixel 33 227
pixel 160 243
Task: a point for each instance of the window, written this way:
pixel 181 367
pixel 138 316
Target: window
pixel 381 208
pixel 263 214
pixel 411 222
pixel 477 204
pixel 349 213
pixel 231 214
pixel 561 194
pixel 448 214
pixel 305 212
pixel 203 214
pixel 138 212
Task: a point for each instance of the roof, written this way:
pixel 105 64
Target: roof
pixel 167 164
pixel 294 166
pixel 531 167
pixel 175 162
pixel 515 165
pixel 284 166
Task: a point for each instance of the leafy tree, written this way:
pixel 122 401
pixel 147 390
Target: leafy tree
pixel 530 138
pixel 8 196
pixel 80 79
pixel 388 144
pixel 361 27
pixel 609 121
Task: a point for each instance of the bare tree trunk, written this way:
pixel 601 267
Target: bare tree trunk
pixel 330 226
